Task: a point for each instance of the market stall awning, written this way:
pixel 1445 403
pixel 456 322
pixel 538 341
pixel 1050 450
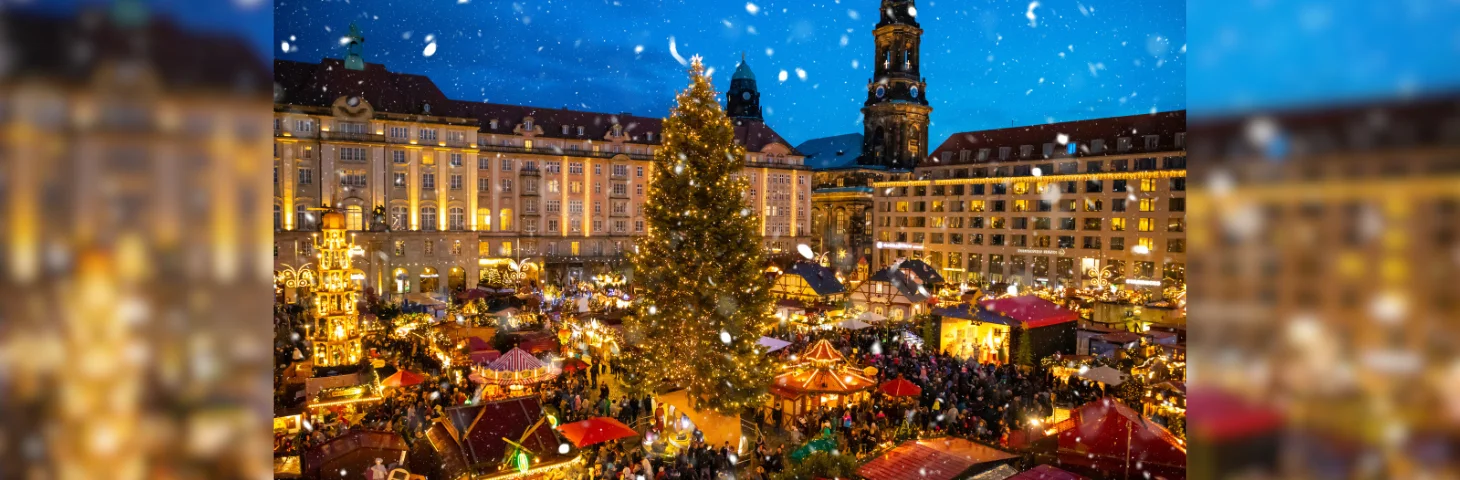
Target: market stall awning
pixel 852 324
pixel 1031 311
pixel 425 299
pixel 476 344
pixel 595 430
pixel 900 387
pixel 1105 375
pixel 485 356
pixel 1046 472
pixel 772 343
pixel 932 459
pixel 403 378
pixel 1107 436
pixel 871 317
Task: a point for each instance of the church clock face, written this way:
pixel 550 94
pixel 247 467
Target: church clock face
pixel 881 92
pixel 745 95
pixel 914 92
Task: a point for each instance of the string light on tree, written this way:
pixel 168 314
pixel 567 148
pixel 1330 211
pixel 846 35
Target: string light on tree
pixel 706 302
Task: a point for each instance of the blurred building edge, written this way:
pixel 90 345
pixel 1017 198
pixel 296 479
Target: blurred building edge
pixel 134 144
pixel 1324 281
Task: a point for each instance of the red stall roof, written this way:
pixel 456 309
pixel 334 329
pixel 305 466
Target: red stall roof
pixel 932 459
pixel 1030 310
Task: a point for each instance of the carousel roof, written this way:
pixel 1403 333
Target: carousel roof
pixel 515 361
pixel 838 380
pixel 822 351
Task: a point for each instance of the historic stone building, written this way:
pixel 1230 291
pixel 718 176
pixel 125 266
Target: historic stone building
pixel 1054 204
pixel 435 189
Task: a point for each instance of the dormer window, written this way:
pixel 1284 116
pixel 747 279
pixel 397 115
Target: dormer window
pixel 1181 140
pixel 1122 144
pixel 983 154
pixel 618 130
pixel 580 130
pixel 1025 151
pixel 1097 145
pixel 648 136
pixel 493 124
pixel 565 129
pixel 527 124
pixel 1004 153
pixel 1152 141
pixel 1048 150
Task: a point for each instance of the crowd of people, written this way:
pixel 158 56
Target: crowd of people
pixel 959 397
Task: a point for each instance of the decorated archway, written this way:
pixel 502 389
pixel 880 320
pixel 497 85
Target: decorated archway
pixel 401 281
pixel 430 280
pixel 456 279
pixel 290 282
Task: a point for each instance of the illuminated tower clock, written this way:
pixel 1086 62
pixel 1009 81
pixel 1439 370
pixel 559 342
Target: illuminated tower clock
pixel 895 114
pixel 743 100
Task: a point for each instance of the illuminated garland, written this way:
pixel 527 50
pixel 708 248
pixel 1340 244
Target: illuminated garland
pixel 1032 178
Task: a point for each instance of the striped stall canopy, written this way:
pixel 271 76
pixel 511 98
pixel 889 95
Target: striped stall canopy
pixel 516 360
pixel 822 351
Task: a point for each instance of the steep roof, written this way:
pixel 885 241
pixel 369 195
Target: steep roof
pixel 1164 124
pixel 822 280
pixel 907 276
pixel 319 84
pixel 755 135
pixel 837 151
pixel 742 71
pixel 70 48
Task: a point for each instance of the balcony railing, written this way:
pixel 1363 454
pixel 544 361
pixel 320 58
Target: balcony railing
pixel 351 137
pixel 530 172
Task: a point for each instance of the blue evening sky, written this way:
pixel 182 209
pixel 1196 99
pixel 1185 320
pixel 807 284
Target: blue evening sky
pixel 987 64
pixel 1247 53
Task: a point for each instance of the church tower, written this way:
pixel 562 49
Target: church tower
pixel 895 115
pixel 743 100
pixel 355 42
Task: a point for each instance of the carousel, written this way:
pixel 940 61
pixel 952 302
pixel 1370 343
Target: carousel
pixel 822 378
pixel 514 374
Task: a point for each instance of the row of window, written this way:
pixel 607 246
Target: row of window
pixel 1173 224
pixel 1046 267
pixel 1173 204
pixel 1094 146
pixel 1035 187
pixel 1144 244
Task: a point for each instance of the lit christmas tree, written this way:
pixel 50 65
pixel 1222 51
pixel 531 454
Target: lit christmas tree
pixel 705 302
pixel 336 334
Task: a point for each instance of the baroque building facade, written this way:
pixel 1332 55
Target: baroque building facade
pixel 436 190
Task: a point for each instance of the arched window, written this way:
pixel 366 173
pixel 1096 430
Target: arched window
pixel 840 221
pixel 504 221
pixel 428 218
pixel 400 218
pixel 456 218
pixel 303 218
pixel 354 217
pixel 484 219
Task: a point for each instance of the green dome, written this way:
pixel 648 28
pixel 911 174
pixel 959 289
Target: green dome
pixel 743 72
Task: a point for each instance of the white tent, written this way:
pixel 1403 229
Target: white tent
pixel 773 343
pixel 871 317
pixel 1106 375
pixel 853 324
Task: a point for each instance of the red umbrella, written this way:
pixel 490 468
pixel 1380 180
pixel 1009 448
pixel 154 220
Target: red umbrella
pixel 402 378
pixel 595 430
pixel 574 365
pixel 900 388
